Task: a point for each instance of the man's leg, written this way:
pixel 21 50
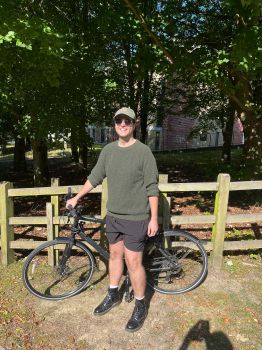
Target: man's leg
pixel 136 272
pixel 116 262
pixel 138 280
pixel 116 265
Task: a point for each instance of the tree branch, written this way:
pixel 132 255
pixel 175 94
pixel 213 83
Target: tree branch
pixel 149 31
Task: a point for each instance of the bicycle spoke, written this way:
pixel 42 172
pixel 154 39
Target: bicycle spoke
pixel 179 268
pixel 54 279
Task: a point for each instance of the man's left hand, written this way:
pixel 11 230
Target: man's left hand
pixel 152 228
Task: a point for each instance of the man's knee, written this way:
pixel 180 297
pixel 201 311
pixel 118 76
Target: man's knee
pixel 133 261
pixel 116 251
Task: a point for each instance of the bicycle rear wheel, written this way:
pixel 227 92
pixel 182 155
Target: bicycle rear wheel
pixel 175 262
pixel 49 275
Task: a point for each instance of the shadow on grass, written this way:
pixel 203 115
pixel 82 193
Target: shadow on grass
pixel 200 332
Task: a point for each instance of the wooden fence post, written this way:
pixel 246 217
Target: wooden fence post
pixel 164 204
pixel 7 231
pixel 164 210
pixel 220 212
pixel 103 240
pixel 55 204
pixel 50 232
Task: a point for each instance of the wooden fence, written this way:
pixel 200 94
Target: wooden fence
pixel 217 245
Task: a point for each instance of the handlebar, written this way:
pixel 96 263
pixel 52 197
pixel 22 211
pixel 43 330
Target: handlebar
pixel 76 212
pixel 73 212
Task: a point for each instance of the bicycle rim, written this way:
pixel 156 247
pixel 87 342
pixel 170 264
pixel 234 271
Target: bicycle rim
pixel 179 266
pixel 45 276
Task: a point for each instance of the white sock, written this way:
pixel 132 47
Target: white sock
pixel 140 298
pixel 113 287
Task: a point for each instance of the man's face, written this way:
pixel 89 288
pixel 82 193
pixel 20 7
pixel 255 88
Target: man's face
pixel 124 126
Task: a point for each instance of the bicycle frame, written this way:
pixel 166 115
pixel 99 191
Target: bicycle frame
pixel 166 261
pixel 77 228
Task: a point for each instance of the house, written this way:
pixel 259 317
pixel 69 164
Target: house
pixel 174 134
pixel 176 130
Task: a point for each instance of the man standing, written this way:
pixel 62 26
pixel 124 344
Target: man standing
pixel 132 211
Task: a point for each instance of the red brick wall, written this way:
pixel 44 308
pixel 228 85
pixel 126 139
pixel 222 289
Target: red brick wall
pixel 176 130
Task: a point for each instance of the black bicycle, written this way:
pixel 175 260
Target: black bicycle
pixel 175 262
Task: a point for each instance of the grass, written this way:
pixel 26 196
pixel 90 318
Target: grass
pixel 208 164
pixel 236 234
pixel 205 163
pixel 224 313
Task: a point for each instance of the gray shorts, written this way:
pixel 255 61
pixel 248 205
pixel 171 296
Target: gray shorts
pixel 133 233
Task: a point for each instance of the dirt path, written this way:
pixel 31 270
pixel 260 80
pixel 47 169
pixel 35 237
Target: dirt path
pixel 224 313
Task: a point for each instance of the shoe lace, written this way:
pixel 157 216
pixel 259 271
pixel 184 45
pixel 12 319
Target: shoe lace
pixel 138 312
pixel 108 297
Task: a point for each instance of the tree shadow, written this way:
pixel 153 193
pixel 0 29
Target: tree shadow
pixel 200 332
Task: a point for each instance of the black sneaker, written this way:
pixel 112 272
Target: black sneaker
pixel 111 300
pixel 138 317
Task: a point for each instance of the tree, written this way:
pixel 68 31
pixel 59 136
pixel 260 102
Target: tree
pixel 31 62
pixel 229 58
pixel 51 71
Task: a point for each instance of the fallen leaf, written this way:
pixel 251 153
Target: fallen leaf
pixel 242 338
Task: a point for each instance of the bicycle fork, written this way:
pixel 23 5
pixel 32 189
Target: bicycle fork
pixel 61 266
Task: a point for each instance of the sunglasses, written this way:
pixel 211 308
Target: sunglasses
pixel 127 121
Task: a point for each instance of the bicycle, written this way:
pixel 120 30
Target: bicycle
pixel 175 262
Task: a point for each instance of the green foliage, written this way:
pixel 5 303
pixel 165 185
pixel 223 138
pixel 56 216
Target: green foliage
pixel 217 44
pixel 68 64
pixel 237 234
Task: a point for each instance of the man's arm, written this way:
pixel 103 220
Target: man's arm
pixel 153 224
pixel 84 190
pixel 97 175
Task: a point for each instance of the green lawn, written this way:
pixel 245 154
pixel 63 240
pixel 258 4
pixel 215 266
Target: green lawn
pixel 208 164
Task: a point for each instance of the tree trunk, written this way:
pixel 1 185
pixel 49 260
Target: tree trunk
pixel 253 135
pixel 19 162
pixel 131 79
pixel 74 148
pixel 227 135
pixel 83 154
pixel 28 144
pixel 40 163
pixel 144 108
pixel 3 146
pixel 252 124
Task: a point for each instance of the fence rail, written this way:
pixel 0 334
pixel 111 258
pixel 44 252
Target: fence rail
pixel 219 219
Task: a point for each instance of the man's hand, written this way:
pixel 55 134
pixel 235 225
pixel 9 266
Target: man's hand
pixel 152 228
pixel 71 202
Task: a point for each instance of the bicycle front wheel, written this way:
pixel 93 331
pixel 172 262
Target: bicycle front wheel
pixel 55 270
pixel 175 262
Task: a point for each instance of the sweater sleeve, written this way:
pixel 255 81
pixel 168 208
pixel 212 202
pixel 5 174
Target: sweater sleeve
pixel 150 174
pixel 98 173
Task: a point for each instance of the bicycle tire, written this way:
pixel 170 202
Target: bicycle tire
pixel 177 268
pixel 55 282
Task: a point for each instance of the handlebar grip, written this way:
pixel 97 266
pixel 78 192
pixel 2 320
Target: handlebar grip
pixel 72 212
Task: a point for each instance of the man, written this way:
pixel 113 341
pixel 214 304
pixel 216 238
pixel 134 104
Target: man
pixel 132 210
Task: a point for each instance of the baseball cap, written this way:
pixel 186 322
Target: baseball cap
pixel 127 112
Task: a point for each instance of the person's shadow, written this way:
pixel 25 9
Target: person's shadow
pixel 200 332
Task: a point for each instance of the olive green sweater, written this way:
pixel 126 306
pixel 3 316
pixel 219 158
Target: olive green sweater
pixel 132 177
